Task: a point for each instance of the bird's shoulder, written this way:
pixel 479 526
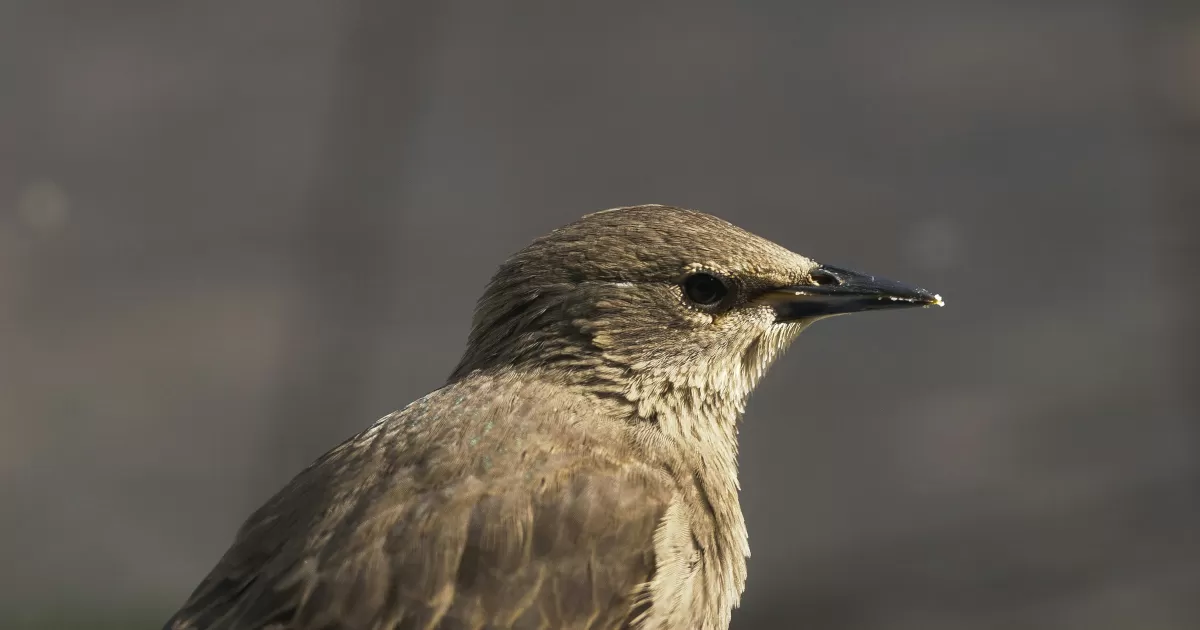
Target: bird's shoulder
pixel 454 512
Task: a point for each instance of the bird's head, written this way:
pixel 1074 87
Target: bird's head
pixel 652 300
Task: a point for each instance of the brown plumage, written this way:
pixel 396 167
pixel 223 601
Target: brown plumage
pixel 579 469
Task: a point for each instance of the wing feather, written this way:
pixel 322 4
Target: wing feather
pixel 567 543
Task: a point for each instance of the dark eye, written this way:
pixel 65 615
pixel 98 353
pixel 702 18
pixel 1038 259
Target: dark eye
pixel 704 289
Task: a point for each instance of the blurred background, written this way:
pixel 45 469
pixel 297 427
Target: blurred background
pixel 234 233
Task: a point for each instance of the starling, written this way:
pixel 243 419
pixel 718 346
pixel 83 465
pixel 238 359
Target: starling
pixel 579 467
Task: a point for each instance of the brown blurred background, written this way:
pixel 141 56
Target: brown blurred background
pixel 234 233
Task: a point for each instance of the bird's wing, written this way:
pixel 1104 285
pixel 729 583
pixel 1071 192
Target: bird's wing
pixel 568 543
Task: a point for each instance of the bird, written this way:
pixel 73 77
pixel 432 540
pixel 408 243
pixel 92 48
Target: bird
pixel 577 470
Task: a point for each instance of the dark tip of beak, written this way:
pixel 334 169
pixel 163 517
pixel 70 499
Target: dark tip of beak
pixel 836 291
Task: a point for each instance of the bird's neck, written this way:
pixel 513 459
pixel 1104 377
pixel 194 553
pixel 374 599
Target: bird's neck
pixel 698 409
pixel 701 421
pixel 690 412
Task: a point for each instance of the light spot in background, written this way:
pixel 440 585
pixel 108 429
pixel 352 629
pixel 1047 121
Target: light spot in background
pixel 43 206
pixel 1179 58
pixel 935 243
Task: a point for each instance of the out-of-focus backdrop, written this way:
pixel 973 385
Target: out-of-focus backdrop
pixel 234 233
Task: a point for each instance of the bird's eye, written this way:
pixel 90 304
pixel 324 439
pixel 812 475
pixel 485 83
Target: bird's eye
pixel 704 289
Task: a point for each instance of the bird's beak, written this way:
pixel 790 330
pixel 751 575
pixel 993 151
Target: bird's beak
pixel 835 291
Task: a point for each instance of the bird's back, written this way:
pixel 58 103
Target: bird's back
pixel 491 503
